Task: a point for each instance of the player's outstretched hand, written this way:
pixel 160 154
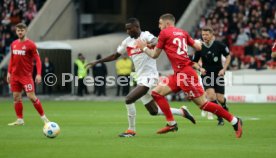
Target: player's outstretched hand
pixel 91 64
pixel 38 79
pixel 221 72
pixel 141 44
pixel 8 77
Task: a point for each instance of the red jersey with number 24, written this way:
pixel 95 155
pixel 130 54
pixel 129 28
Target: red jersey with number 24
pixel 175 43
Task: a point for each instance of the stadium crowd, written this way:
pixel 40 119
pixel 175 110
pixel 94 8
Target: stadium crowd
pixel 247 27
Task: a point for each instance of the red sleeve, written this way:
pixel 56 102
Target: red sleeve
pixel 10 64
pixel 37 59
pixel 190 41
pixel 38 64
pixel 161 40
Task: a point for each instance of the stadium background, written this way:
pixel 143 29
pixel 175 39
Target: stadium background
pixel 64 28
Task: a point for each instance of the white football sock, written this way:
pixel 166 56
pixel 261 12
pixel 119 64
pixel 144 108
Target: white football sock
pixel 175 111
pixel 44 119
pixel 234 120
pixel 131 111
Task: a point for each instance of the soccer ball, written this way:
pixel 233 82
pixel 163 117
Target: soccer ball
pixel 51 129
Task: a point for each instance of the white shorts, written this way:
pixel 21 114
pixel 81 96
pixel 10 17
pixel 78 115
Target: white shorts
pixel 150 82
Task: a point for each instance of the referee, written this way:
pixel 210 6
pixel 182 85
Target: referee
pixel 212 70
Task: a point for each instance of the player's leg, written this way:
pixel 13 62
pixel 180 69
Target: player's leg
pixel 38 106
pixel 196 92
pixel 30 91
pixel 219 89
pixel 131 98
pixel 158 94
pixel 16 88
pixel 154 110
pixel 203 104
pixel 18 107
pixel 222 100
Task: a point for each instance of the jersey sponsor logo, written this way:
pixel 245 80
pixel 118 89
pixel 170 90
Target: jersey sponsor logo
pixel 178 34
pixel 19 52
pixel 133 51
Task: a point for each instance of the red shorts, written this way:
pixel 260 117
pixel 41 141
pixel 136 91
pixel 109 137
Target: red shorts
pixel 187 80
pixel 26 83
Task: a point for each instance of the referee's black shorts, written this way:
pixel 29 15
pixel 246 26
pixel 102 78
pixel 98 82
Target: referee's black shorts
pixel 214 81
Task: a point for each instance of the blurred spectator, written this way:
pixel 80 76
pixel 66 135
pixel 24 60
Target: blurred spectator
pixel 242 38
pixel 246 23
pixel 4 87
pixel 47 68
pixel 123 69
pixel 99 74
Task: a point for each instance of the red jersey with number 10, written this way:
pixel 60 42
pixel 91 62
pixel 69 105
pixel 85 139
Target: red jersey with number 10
pixel 175 43
pixel 23 55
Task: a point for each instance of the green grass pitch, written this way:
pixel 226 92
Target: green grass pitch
pixel 90 129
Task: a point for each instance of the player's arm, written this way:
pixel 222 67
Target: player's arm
pixel 197 45
pixel 196 65
pixel 111 57
pixel 38 67
pixel 153 53
pixel 152 43
pixel 227 55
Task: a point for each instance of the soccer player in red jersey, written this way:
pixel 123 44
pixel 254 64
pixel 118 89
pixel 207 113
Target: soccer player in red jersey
pixel 175 43
pixel 273 55
pixel 23 53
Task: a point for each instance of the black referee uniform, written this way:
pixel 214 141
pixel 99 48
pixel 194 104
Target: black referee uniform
pixel 211 61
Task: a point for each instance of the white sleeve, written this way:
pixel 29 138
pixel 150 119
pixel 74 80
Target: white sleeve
pixel 148 36
pixel 122 47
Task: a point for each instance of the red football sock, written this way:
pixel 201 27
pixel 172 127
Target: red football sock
pixel 38 107
pixel 218 110
pixel 163 104
pixel 18 107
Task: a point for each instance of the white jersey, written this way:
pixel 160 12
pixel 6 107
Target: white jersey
pixel 144 65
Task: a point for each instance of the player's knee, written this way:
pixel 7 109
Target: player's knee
pixel 211 97
pixel 129 100
pixel 155 94
pixel 32 97
pixel 17 98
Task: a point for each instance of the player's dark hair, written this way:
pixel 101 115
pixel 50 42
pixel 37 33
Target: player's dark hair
pixel 208 28
pixel 133 21
pixel 21 26
pixel 168 16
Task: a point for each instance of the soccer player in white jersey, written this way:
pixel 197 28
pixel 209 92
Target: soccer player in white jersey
pixel 147 73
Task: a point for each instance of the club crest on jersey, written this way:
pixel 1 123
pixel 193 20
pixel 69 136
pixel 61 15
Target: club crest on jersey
pixel 19 52
pixel 132 51
pixel 24 47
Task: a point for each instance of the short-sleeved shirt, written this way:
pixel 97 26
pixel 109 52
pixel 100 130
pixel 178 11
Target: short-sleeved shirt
pixel 175 42
pixel 211 56
pixel 22 57
pixel 144 65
